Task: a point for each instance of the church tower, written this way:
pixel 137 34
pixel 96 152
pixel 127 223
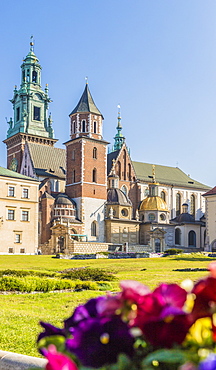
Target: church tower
pixel 86 177
pixel 30 105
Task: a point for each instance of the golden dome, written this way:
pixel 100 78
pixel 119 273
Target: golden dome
pixel 153 204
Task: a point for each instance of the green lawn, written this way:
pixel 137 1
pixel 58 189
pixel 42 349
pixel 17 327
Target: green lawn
pixel 21 313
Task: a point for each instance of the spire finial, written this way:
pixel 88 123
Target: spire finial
pixel 119 138
pixel 31 43
pixel 153 172
pixel 119 127
pixel 86 79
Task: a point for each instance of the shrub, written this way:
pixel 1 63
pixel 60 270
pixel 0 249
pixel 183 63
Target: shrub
pixel 22 273
pixel 31 284
pixel 88 274
pixel 172 251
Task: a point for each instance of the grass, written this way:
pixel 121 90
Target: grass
pixel 21 313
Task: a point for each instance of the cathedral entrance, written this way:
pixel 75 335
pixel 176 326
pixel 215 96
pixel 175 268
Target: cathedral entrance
pixel 157 245
pixel 61 242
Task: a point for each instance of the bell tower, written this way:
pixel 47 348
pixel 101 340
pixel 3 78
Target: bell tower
pixel 30 105
pixel 86 155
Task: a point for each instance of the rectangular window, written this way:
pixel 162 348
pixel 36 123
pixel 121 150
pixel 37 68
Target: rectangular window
pixel 11 191
pixel 25 193
pixel 36 114
pixel 22 250
pixel 10 250
pixel 17 114
pixel 17 238
pixel 73 155
pixel 11 214
pixel 25 215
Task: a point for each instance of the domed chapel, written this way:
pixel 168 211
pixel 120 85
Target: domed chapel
pixel 91 200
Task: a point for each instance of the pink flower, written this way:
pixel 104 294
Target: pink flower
pixel 133 291
pixel 205 292
pixel 212 269
pixel 57 361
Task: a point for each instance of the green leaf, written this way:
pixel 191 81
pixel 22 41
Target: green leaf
pixel 169 356
pixel 57 340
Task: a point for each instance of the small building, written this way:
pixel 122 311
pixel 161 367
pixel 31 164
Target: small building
pixel 210 240
pixel 18 213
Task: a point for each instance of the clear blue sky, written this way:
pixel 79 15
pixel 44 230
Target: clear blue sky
pixel 156 58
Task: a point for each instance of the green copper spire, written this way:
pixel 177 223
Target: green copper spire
pixel 30 102
pixel 119 138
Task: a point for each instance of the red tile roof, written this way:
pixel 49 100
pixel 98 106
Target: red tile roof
pixel 210 192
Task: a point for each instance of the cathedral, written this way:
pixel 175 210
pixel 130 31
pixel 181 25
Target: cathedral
pixel 90 199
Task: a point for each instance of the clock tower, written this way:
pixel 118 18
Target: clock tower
pixel 30 105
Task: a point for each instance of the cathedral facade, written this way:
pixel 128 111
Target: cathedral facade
pixel 88 197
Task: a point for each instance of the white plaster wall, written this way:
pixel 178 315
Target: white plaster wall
pixel 94 210
pixel 210 219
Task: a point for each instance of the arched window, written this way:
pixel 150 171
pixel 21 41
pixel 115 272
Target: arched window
pixel 95 127
pixel 73 176
pixel 119 169
pixel 73 127
pixel 163 196
pixel 124 157
pixel 124 189
pixel 178 204
pixel 94 228
pixel 177 236
pixel 129 171
pixel 34 76
pixel 94 175
pixel 192 239
pixel 83 126
pixel 192 205
pixel 95 153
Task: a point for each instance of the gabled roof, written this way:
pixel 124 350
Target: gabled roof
pixel 8 173
pixel 166 175
pixel 210 192
pixel 47 160
pixel 86 103
pixel 110 157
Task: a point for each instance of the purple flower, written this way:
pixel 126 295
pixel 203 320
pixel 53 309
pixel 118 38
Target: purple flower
pixel 209 363
pixel 50 330
pixel 83 312
pixel 98 341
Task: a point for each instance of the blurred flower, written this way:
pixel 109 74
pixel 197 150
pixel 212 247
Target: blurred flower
pixel 98 341
pixel 209 363
pixel 57 361
pixel 50 330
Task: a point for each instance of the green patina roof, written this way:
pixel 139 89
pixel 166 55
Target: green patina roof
pixel 166 175
pixel 86 103
pixel 8 173
pixel 48 161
